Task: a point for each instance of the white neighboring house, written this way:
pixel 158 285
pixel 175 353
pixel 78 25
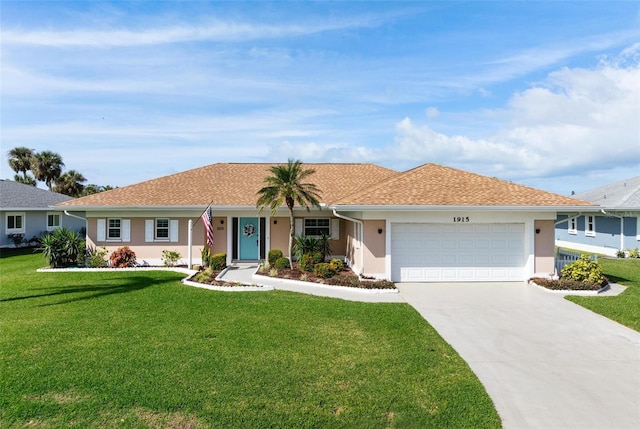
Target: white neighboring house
pixel 26 211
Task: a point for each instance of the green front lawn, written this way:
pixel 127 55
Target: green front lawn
pixel 138 349
pixel 624 308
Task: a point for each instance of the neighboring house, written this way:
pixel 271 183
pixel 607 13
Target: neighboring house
pixel 25 210
pixel 612 226
pixel 431 223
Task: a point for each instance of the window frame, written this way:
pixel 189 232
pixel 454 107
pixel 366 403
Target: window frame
pixel 166 228
pixel 573 226
pixel 114 228
pixel 59 223
pixel 14 230
pixel 590 225
pixel 316 227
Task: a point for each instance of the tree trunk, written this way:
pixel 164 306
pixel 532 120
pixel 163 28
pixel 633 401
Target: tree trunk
pixel 292 231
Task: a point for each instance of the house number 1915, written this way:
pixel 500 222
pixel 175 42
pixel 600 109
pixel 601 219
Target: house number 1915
pixel 461 219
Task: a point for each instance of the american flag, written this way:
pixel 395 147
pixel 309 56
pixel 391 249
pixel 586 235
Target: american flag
pixel 206 221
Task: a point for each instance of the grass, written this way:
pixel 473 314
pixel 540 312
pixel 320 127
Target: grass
pixel 138 349
pixel 624 308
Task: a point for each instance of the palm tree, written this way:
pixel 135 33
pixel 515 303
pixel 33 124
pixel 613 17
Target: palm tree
pixel 70 183
pixel 285 185
pixel 47 167
pixel 27 179
pixel 20 159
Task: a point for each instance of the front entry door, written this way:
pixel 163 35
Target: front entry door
pixel 249 241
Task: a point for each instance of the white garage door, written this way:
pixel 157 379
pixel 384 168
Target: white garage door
pixel 457 252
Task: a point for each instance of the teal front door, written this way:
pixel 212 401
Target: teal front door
pixel 249 241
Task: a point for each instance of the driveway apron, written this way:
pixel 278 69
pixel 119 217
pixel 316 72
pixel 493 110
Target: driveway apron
pixel 545 362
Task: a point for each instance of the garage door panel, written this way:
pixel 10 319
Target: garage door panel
pixel 463 252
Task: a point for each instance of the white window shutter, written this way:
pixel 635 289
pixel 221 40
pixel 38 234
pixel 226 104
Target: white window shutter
pixel 126 230
pixel 335 229
pixel 173 230
pixel 148 230
pixel 298 227
pixel 101 233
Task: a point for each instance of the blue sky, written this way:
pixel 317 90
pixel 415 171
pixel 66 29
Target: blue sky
pixel 545 94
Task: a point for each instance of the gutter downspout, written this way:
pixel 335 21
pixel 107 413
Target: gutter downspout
pixel 360 239
pixel 621 226
pixel 86 224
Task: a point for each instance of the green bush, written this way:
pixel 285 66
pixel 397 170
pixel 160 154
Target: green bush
pixel 303 245
pixel 170 257
pixel 584 270
pixel 122 257
pixel 96 257
pixel 309 260
pixel 218 261
pixel 62 247
pixel 635 253
pixel 324 270
pixel 274 255
pixel 281 263
pixel 621 254
pixel 337 264
pixel 18 239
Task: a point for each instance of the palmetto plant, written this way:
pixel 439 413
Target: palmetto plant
pixel 285 185
pixel 62 247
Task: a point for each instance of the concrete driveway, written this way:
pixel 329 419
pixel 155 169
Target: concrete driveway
pixel 545 362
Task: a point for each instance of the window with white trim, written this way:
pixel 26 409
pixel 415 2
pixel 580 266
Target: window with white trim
pixel 114 229
pixel 14 223
pixel 638 228
pixel 573 228
pixel 53 221
pixel 162 229
pixel 590 226
pixel 317 227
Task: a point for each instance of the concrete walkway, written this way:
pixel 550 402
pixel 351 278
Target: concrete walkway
pixel 545 362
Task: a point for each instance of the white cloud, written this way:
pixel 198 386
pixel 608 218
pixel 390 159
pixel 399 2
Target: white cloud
pixel 578 119
pixel 213 30
pixel 432 112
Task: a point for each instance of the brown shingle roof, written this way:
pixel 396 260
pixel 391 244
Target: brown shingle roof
pixel 231 184
pixel 435 185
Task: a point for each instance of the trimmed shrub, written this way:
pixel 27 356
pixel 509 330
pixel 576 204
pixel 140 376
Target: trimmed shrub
pixel 218 261
pixel 337 264
pixel 584 270
pixel 274 255
pixel 309 260
pixel 324 270
pixel 281 263
pixel 170 257
pixel 122 257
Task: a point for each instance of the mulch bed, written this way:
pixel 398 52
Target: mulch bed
pixel 566 284
pixel 346 277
